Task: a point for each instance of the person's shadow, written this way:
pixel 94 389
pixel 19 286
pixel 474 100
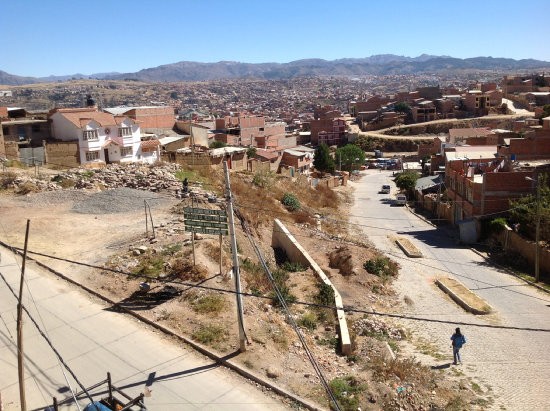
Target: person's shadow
pixel 441 367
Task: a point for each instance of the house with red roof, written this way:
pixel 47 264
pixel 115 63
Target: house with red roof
pixel 102 137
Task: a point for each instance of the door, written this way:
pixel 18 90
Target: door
pixel 106 153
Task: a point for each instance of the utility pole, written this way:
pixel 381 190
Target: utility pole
pixel 537 233
pixel 439 198
pixel 20 367
pixel 240 317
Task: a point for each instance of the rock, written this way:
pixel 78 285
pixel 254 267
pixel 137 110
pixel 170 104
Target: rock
pixel 142 248
pixel 273 372
pixel 198 236
pixel 137 252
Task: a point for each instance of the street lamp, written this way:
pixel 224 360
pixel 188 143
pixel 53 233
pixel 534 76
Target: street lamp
pixel 537 232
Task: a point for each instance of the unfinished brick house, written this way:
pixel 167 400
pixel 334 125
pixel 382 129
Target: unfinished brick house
pixel 329 131
pixel 150 118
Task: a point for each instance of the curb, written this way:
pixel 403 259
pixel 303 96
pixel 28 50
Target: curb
pixel 460 301
pixel 225 360
pixel 486 258
pixel 417 254
pixel 509 271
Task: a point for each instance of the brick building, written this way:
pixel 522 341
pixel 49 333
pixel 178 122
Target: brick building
pixel 329 131
pixel 150 118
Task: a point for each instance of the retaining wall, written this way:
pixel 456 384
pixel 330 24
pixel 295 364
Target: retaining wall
pixel 282 238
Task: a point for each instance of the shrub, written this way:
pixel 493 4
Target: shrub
pixel 291 201
pixel 211 304
pixel 150 266
pixel 209 334
pixel 347 391
pixel 325 296
pixel 27 188
pixel 171 249
pixel 217 144
pixel 7 179
pixel 381 266
pixel 263 178
pixel 292 267
pixel 308 320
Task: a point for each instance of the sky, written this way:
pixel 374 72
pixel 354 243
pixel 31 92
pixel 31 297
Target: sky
pixel 42 38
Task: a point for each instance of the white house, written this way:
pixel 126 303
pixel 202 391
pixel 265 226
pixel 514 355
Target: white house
pixel 102 137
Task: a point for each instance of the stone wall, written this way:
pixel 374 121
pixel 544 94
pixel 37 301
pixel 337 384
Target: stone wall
pixel 63 153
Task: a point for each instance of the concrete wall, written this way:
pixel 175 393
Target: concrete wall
pixel 511 240
pixel 282 238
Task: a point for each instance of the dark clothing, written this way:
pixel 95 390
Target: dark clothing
pixel 458 340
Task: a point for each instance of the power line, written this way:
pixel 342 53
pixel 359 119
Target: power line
pixel 346 308
pixel 290 318
pixel 50 344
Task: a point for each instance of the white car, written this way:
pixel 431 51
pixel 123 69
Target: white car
pixel 385 189
pixel 400 200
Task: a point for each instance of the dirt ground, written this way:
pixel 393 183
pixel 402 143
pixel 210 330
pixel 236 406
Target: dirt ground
pixel 118 241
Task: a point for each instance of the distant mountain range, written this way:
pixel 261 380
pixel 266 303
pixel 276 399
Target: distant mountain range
pixel 382 64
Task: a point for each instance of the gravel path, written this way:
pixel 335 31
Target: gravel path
pixel 118 200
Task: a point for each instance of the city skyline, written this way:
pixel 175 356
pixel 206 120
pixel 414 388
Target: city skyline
pixel 128 37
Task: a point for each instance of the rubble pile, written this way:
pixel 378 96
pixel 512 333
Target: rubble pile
pixel 132 176
pixel 137 176
pixel 367 326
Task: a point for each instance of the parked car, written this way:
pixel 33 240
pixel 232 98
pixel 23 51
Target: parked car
pixel 385 189
pixel 400 200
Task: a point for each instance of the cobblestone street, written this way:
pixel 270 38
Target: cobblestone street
pixel 511 365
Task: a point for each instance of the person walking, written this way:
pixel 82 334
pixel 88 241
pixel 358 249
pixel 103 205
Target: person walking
pixel 458 340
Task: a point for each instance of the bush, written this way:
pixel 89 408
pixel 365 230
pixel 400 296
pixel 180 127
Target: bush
pixel 347 391
pixel 7 179
pixel 381 266
pixel 292 267
pixel 325 296
pixel 406 181
pixel 263 178
pixel 27 188
pixel 211 304
pixel 291 201
pixel 217 144
pixel 208 334
pixel 308 320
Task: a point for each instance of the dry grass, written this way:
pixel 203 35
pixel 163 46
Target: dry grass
pixel 408 369
pixel 27 188
pixel 184 269
pixel 7 178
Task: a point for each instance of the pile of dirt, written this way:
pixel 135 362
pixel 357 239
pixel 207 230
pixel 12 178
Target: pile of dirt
pixel 345 261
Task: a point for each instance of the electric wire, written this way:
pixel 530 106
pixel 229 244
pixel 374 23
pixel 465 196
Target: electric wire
pixel 309 304
pixel 29 292
pixel 45 337
pixel 289 317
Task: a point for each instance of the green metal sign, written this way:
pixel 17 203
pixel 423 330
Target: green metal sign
pixel 206 230
pixel 205 221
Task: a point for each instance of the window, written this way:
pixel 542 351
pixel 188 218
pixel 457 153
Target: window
pixel 89 135
pixel 126 151
pixel 124 131
pixel 92 155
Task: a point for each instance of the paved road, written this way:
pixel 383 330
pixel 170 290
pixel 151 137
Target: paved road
pixel 93 341
pixel 515 107
pixel 354 128
pixel 514 364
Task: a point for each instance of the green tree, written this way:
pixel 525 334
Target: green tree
pixel 217 144
pixel 402 107
pixel 323 161
pixel 523 211
pixel 251 152
pixel 406 181
pixel 349 155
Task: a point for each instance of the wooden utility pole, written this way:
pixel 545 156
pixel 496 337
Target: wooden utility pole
pixel 240 317
pixel 20 366
pixel 221 255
